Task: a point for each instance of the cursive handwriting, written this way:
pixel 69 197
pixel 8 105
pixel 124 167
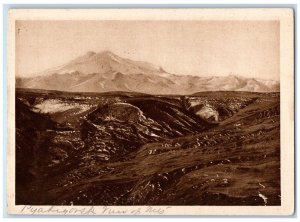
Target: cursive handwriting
pixel 58 210
pixel 93 210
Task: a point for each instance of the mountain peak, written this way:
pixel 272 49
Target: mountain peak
pixel 106 71
pixel 90 53
pixel 107 52
pixel 233 76
pixel 161 69
pixel 104 62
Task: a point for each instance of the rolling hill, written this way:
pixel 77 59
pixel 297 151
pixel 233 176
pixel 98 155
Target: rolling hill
pixel 134 149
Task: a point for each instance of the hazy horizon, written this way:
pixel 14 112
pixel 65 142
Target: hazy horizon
pixel 200 48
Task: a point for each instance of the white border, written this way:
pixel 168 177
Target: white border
pixel 286 86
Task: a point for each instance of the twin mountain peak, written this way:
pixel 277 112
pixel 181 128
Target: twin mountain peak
pixel 106 71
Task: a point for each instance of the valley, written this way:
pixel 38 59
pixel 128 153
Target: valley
pixel 128 148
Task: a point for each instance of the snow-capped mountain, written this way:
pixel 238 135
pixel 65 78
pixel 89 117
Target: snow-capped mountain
pixel 105 71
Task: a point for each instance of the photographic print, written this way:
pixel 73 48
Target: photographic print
pixel 131 113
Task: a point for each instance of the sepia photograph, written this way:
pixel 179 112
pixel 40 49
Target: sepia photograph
pixel 159 109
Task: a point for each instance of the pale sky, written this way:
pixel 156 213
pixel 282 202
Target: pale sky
pixel 203 48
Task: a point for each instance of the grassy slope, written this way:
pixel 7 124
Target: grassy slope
pixel 235 163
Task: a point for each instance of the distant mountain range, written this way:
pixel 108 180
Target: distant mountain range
pixel 105 71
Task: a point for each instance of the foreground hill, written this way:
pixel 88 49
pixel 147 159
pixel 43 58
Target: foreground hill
pixel 133 149
pixel 105 71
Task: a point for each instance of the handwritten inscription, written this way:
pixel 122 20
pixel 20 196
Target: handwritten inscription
pixel 93 210
pixel 33 210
